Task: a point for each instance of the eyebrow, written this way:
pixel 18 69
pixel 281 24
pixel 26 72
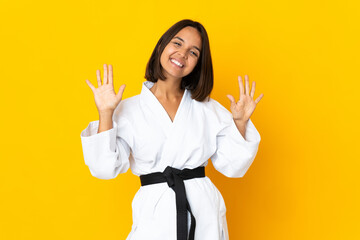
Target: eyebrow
pixel 184 41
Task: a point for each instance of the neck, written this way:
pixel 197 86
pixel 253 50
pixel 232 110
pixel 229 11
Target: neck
pixel 168 89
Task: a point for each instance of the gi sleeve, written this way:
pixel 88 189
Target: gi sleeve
pixel 234 154
pixel 107 153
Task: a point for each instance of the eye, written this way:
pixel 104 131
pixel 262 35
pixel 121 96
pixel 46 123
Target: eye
pixel 194 53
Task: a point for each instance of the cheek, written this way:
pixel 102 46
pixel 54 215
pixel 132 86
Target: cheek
pixel 193 63
pixel 168 50
pixel 164 56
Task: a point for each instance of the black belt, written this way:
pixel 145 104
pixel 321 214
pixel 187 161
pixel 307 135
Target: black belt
pixel 174 178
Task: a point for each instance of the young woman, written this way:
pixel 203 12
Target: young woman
pixel 166 135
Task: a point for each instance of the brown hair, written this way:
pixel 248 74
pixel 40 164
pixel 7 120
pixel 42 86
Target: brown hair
pixel 200 80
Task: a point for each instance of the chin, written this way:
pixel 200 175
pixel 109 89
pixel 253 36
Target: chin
pixel 174 74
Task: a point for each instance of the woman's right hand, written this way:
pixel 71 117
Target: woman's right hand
pixel 106 99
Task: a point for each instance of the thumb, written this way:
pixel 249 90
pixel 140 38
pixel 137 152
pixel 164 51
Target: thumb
pixel 231 98
pixel 120 92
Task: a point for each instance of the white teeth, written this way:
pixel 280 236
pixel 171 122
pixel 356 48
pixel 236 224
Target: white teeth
pixel 176 62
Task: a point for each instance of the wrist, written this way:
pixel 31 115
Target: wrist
pixel 240 121
pixel 106 114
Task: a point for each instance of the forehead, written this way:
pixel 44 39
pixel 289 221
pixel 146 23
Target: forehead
pixel 190 35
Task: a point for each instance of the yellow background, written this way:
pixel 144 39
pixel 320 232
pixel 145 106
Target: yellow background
pixel 303 55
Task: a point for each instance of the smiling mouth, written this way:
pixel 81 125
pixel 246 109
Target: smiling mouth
pixel 175 63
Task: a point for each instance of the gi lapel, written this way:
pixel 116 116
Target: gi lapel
pixel 160 115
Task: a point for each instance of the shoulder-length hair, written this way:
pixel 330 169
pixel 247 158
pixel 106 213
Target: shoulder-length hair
pixel 200 80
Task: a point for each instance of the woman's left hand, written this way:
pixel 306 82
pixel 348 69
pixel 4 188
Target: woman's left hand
pixel 243 109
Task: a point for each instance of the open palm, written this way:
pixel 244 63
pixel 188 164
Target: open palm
pixel 245 106
pixel 106 99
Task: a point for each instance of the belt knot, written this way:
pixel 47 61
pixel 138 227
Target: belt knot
pixel 170 173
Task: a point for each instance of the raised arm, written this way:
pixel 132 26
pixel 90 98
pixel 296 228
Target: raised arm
pixel 107 142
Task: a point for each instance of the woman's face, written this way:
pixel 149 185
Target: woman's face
pixel 185 49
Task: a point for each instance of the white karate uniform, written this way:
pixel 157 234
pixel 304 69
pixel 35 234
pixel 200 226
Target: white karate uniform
pixel 144 139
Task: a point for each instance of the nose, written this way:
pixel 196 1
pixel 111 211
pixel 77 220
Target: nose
pixel 183 53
